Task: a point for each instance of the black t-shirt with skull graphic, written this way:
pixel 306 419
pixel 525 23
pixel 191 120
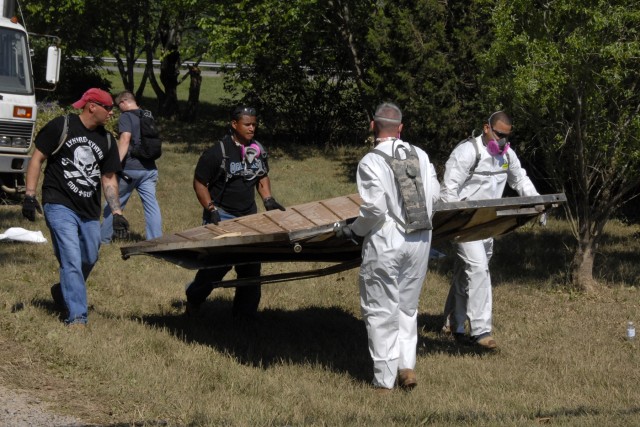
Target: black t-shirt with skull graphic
pixel 72 176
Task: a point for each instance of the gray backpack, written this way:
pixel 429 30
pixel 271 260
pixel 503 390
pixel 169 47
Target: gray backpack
pixel 407 175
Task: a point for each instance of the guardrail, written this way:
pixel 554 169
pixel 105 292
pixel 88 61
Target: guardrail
pixel 215 66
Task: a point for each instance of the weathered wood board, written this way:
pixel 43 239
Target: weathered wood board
pixel 306 232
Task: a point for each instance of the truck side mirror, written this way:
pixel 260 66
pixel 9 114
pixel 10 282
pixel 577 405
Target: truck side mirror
pixel 53 64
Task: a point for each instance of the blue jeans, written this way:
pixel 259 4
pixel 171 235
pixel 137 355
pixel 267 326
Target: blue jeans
pixel 76 242
pixel 145 182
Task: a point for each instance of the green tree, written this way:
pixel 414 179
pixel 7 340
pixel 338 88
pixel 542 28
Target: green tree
pixel 317 68
pixel 423 55
pixel 54 19
pixel 143 29
pixel 291 67
pixel 569 68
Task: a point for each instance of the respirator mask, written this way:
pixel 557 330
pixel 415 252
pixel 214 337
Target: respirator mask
pixel 496 148
pixel 250 153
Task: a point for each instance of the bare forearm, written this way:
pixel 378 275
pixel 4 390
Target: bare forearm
pixel 111 194
pixel 264 187
pixel 123 145
pixel 202 193
pixel 33 172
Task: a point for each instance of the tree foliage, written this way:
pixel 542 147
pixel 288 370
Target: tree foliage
pixel 149 30
pixel 569 70
pixel 289 66
pixel 423 56
pixel 44 17
pixel 317 68
pixel 129 31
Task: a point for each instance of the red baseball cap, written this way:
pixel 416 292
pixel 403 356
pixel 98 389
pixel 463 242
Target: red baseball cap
pixel 96 95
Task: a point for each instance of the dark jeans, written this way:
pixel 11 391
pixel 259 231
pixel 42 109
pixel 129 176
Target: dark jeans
pixel 247 298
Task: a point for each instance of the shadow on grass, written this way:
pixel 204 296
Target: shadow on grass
pixel 212 124
pixel 523 258
pixel 330 337
pixel 542 257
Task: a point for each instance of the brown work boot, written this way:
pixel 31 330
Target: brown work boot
pixel 487 342
pixel 407 379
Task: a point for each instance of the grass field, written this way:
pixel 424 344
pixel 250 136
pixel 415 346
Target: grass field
pixel 563 359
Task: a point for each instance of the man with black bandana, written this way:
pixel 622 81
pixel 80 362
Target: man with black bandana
pixel 225 180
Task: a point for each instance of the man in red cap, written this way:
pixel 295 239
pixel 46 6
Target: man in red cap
pixel 81 157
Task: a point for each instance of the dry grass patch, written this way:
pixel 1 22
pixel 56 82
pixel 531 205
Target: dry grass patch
pixel 562 359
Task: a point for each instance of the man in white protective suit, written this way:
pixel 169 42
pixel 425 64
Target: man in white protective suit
pixel 477 169
pixel 394 253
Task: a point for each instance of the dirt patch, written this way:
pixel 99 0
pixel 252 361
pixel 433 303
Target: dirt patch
pixel 30 403
pixel 20 409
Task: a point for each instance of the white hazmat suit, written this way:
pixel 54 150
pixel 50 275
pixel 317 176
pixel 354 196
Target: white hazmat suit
pixel 394 263
pixel 470 296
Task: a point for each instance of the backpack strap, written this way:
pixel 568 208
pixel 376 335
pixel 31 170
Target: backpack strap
pixel 223 165
pixel 65 132
pixel 472 140
pixel 63 135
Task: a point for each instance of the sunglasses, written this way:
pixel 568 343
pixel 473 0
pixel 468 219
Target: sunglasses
pixel 500 135
pixel 106 107
pixel 243 111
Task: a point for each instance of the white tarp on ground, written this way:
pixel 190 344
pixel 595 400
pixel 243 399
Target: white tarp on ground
pixel 17 234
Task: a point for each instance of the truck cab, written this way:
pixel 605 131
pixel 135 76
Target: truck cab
pixel 18 108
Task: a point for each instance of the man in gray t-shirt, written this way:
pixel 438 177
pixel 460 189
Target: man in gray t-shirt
pixel 137 174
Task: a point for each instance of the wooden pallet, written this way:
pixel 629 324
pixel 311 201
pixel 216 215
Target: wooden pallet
pixel 306 232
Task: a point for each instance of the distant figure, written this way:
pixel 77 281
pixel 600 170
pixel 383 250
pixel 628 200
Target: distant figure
pixel 479 168
pixel 225 180
pixel 395 253
pixel 138 173
pixel 77 163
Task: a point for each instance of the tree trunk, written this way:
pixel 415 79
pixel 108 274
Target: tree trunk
pixel 582 267
pixel 343 24
pixel 195 82
pixel 169 72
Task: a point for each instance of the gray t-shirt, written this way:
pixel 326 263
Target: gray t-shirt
pixel 130 122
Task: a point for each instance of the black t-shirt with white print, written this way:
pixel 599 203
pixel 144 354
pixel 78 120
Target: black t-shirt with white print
pixel 236 195
pixel 72 176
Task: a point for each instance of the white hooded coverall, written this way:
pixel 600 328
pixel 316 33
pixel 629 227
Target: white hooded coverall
pixel 470 295
pixel 394 263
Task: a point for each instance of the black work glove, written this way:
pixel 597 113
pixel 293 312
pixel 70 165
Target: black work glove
pixel 345 232
pixel 29 207
pixel 271 204
pixel 214 216
pixel 120 227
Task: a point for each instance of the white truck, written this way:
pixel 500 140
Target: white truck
pixel 18 108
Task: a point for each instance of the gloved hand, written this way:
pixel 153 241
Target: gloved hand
pixel 542 219
pixel 29 207
pixel 120 227
pixel 214 216
pixel 345 232
pixel 271 204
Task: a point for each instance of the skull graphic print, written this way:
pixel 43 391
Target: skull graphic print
pixel 83 172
